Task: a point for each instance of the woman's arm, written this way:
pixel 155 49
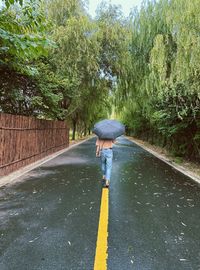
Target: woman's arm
pixel 97 151
pixel 97 148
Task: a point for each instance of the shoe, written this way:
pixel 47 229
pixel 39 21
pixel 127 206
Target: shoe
pixel 107 184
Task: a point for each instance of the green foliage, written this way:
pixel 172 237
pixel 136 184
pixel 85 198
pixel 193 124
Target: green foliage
pixel 64 65
pixel 8 3
pixel 162 93
pixel 65 70
pixel 21 38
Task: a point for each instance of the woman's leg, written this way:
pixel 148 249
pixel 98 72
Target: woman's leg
pixel 109 158
pixel 103 164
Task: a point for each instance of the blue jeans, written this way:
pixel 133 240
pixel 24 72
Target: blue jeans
pixel 106 162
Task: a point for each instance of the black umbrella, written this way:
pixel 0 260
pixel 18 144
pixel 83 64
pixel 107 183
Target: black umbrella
pixel 108 129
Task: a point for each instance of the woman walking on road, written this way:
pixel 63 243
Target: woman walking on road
pixel 107 131
pixel 105 152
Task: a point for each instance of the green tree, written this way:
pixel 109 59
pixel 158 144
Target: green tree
pixel 160 101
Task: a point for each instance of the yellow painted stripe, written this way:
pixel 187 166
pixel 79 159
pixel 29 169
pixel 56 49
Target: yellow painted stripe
pixel 101 255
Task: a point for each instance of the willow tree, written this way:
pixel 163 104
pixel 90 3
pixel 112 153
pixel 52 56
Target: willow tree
pixel 175 73
pixel 76 59
pixel 132 94
pixel 160 100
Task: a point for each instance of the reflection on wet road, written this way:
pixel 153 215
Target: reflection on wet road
pixel 50 219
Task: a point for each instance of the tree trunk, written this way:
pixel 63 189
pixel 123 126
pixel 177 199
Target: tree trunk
pixel 74 130
pixel 85 130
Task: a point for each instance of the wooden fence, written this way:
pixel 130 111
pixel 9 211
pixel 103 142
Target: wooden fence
pixel 24 140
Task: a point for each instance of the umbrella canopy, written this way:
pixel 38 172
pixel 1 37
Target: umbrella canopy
pixel 108 129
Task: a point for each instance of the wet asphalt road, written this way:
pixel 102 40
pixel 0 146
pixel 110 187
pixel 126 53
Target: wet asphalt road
pixel 50 219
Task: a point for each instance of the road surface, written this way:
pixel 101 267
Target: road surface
pixel 50 219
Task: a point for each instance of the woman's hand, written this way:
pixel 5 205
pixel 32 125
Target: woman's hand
pixel 97 154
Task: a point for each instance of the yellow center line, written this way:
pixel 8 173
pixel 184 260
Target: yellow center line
pixel 101 255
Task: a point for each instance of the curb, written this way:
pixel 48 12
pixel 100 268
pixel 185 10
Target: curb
pixel 12 177
pixel 179 168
